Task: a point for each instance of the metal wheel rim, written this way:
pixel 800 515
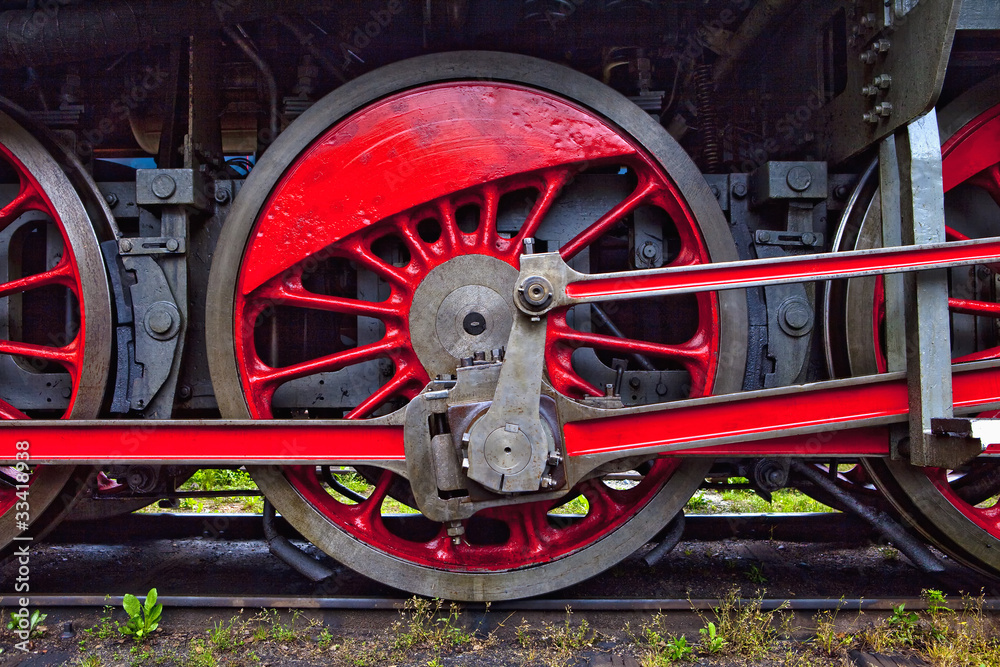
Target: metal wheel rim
pixel 431 69
pixel 62 202
pixel 924 496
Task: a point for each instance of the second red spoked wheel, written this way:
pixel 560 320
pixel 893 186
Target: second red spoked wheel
pixel 956 509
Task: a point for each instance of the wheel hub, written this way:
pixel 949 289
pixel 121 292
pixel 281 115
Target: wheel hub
pixel 462 307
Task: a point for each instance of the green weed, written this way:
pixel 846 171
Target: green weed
pixel 143 618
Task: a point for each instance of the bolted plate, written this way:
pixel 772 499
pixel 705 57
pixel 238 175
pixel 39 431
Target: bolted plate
pixel 462 307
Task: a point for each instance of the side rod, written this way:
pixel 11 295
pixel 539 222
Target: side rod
pixel 834 418
pixel 570 287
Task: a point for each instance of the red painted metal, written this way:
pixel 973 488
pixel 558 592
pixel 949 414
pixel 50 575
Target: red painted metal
pixel 971 152
pixel 748 419
pixel 422 155
pixel 411 149
pixel 743 419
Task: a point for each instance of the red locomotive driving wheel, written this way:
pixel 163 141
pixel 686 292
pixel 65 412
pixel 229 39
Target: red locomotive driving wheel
pixel 380 245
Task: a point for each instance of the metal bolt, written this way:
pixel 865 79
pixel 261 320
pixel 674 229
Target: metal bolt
pixel 661 389
pixel 869 57
pixel 185 392
pixel 882 81
pixel 798 178
pixel 649 250
pixel 479 356
pixel 881 45
pixel 870 117
pixel 869 21
pixel 125 245
pixel 112 199
pixel 808 238
pixel 160 321
pixel 609 390
pixel 715 191
pixel 869 91
pixel 883 109
pixel 841 192
pixel 221 195
pixel 173 245
pixel 763 236
pixel 163 186
pixel 797 316
pixel 455 531
pixel 535 292
pixel 529 246
pixel 634 382
pixel 547 482
pixel 740 190
pixel 465 361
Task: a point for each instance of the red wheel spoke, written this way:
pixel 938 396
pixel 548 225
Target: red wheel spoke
pixel 415 245
pixel 951 234
pixel 486 236
pixel 553 185
pixel 66 356
pixel 361 254
pixel 527 528
pixel 989 180
pixel 330 362
pixel 981 355
pixel 695 351
pixel 26 200
pixel 371 509
pixel 295 295
pixel 449 226
pixel 8 411
pixel 599 497
pixel 970 307
pixel 608 220
pixel 61 274
pixel 397 386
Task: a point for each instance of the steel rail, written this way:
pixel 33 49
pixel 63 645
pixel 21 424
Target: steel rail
pixel 546 604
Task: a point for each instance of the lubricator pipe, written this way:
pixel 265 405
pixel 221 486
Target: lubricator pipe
pixel 60 32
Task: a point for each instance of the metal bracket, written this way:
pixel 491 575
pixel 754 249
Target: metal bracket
pixel 792 239
pixel 432 465
pixel 913 204
pixel 157 323
pixel 182 187
pixel 160 245
pixel 508 447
